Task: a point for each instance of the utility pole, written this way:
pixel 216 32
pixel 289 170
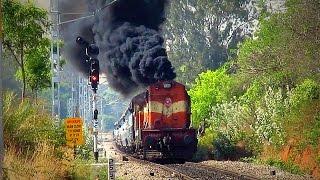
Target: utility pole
pixel 1 98
pixel 55 58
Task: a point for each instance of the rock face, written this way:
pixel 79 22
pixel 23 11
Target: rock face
pixel 275 5
pixel 306 159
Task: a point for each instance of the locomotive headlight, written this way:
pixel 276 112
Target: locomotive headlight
pixel 188 139
pixel 167 85
pixel 168 102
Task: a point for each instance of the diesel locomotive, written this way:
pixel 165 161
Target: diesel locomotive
pixel 156 124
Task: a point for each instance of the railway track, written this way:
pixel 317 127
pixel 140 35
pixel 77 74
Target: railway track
pixel 192 171
pixel 205 172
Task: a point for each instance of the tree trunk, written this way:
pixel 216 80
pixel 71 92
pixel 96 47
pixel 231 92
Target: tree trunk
pixel 23 73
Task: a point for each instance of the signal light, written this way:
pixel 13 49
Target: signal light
pixel 94 74
pixel 94 78
pixel 82 42
pixel 92 52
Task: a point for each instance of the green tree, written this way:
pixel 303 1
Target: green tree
pixel 287 47
pixel 38 67
pixel 24 27
pixel 202 33
pixel 210 88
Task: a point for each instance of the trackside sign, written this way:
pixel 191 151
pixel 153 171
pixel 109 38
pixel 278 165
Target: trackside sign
pixel 74 133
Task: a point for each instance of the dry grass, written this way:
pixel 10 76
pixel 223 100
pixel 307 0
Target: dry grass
pixel 40 164
pixel 35 146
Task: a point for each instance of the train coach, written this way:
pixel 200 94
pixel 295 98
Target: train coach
pixel 156 124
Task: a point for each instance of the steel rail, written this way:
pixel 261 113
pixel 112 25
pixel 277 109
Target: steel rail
pixel 178 174
pixel 181 175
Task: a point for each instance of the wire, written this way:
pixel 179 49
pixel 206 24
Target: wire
pixel 109 4
pixel 73 20
pixel 89 16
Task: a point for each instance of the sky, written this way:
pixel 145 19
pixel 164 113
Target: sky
pixel 43 3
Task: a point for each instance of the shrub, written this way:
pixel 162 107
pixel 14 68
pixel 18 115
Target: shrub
pixel 268 115
pixel 210 88
pixel 34 144
pixel 27 124
pixel 286 166
pixel 224 148
pixel 229 118
pixel 313 134
pixel 304 92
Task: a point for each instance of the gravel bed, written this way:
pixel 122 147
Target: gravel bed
pixel 197 172
pixel 259 171
pixel 137 170
pixel 132 170
pixel 127 170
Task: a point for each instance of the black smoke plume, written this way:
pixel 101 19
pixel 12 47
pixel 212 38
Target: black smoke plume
pixel 128 33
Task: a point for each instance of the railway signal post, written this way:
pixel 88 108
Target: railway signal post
pixel 92 51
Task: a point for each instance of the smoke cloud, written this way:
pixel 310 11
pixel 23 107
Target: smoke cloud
pixel 128 33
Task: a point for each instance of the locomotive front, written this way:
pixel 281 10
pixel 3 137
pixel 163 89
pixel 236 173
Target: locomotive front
pixel 160 119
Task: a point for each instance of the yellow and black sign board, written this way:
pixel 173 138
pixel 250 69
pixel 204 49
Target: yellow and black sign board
pixel 74 133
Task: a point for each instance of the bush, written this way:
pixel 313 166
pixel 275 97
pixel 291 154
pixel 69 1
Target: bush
pixel 27 124
pixel 230 119
pixel 286 166
pixel 205 146
pixel 81 169
pixel 224 148
pixel 210 88
pixel 35 146
pixel 313 134
pixel 304 92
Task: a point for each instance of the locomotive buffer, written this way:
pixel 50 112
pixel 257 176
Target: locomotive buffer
pixel 92 51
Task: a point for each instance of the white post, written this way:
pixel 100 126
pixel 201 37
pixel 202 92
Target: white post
pixel 95 126
pixel 72 96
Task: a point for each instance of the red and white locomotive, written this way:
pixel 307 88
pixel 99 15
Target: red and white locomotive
pixel 157 124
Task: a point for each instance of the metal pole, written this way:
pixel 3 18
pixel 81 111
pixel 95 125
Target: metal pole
pixel 58 59
pixel 101 111
pixel 95 127
pixel 79 104
pixel 1 99
pixel 55 58
pixel 72 97
pixel 52 59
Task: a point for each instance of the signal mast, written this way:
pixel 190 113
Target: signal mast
pixel 92 51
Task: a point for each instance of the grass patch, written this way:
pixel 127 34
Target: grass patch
pixel 286 166
pixel 35 148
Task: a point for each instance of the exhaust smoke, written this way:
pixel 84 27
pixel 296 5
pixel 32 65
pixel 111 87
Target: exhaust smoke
pixel 128 34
